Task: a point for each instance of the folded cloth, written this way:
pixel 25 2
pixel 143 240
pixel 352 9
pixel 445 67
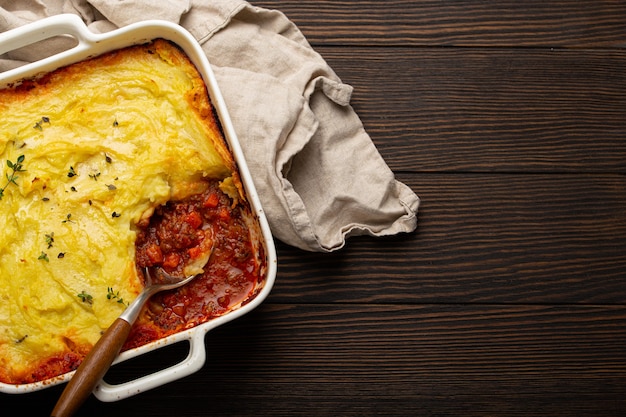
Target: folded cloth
pixel 319 176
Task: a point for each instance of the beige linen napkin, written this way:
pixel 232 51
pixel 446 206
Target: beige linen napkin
pixel 319 176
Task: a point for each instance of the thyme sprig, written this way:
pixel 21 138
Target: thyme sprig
pixel 113 295
pixel 15 167
pixel 39 124
pixel 85 297
pixel 50 239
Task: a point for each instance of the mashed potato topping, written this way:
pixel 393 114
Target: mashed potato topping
pixel 86 153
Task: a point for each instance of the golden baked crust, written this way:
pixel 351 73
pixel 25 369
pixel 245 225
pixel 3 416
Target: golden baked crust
pixel 87 152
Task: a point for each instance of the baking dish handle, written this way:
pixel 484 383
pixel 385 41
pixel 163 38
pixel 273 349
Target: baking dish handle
pixel 40 30
pixel 192 363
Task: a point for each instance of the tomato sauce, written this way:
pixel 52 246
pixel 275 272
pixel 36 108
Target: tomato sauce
pixel 176 234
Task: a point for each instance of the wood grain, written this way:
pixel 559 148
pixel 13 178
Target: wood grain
pixel 466 109
pixel 481 238
pixel 475 23
pixel 329 359
pixel 508 119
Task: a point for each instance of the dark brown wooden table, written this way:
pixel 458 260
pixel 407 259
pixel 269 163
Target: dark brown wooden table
pixel 508 119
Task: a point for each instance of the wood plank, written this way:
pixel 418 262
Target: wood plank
pixel 394 361
pixel 567 23
pixel 480 238
pixel 451 109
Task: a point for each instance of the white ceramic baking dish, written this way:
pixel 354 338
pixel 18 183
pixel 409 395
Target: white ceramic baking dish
pixel 88 44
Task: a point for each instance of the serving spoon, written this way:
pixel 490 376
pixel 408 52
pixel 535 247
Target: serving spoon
pixel 101 356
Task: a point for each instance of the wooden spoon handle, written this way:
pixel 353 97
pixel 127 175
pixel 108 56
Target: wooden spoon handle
pixel 92 369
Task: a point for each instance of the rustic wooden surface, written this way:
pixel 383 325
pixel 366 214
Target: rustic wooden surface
pixel 508 119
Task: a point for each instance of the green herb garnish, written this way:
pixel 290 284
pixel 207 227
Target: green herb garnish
pixel 85 298
pixel 15 167
pixel 39 124
pixel 112 295
pixel 50 239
